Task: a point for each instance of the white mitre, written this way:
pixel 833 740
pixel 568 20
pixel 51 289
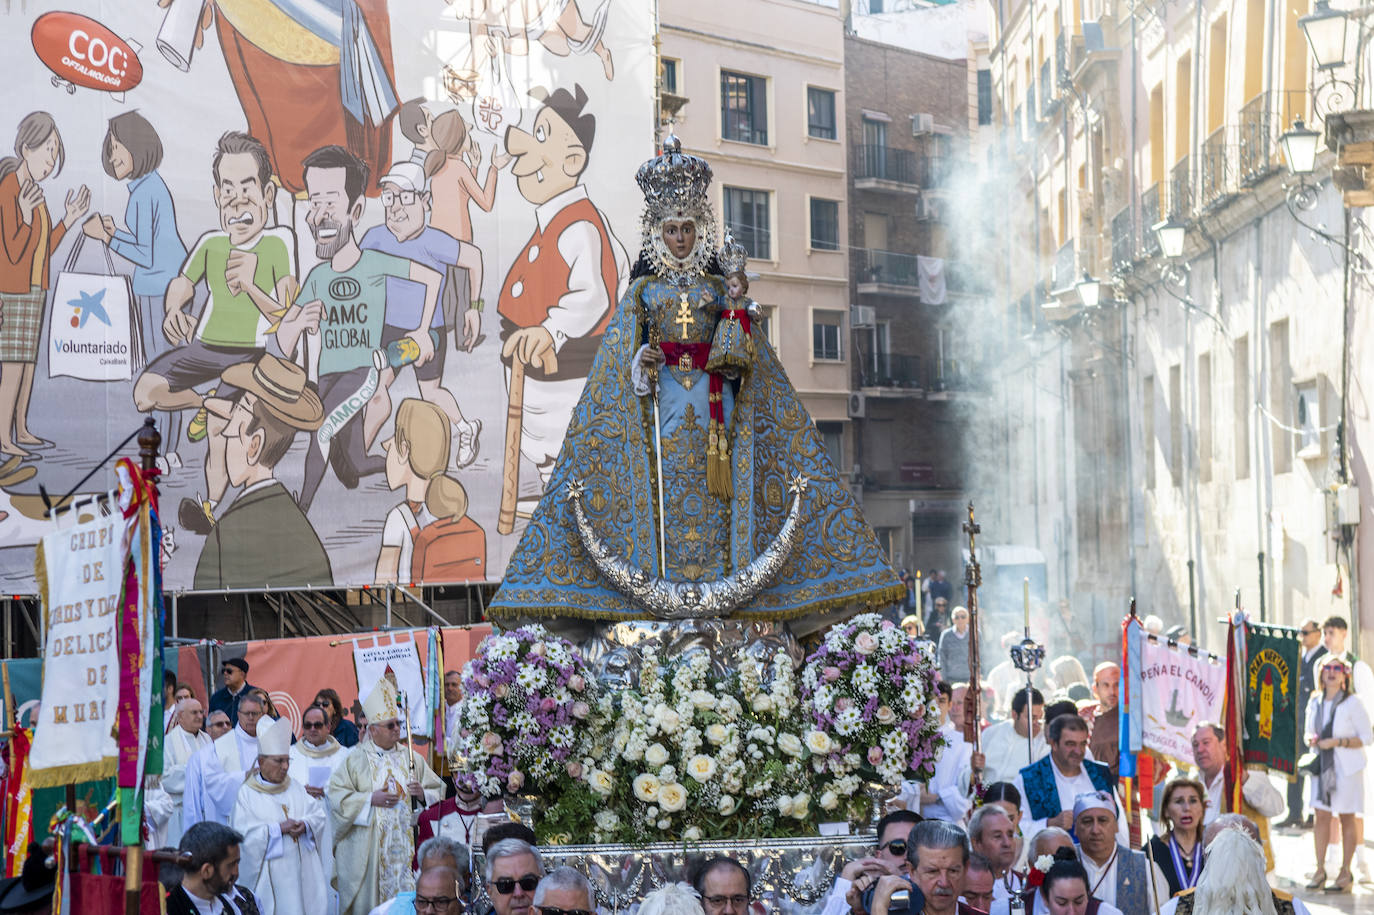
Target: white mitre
pixel 382 703
pixel 275 739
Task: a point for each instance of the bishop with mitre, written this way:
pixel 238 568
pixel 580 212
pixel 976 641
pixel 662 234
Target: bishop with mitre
pixel 283 830
pixel 371 810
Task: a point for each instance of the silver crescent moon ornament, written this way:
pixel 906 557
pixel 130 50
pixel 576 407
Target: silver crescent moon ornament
pixel 680 600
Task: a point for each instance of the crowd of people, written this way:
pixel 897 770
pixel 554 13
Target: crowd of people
pixel 346 818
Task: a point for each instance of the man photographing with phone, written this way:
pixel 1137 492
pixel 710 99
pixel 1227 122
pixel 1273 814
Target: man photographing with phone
pixel 938 854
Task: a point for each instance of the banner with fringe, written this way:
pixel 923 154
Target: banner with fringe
pixel 81 576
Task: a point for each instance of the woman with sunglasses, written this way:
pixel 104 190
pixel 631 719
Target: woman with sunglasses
pixel 343 730
pixel 1338 729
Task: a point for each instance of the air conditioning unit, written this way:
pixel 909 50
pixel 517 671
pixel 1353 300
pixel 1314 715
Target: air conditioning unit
pixel 927 208
pixel 857 406
pixel 861 316
pixel 922 124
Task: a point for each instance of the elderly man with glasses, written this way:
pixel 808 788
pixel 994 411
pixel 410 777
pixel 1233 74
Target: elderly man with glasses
pixel 724 886
pixel 513 872
pixel 564 891
pixel 314 760
pixel 370 805
pixel 443 885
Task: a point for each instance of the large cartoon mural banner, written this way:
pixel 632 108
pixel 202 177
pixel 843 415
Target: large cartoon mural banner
pixel 354 257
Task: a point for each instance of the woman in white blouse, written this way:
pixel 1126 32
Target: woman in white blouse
pixel 1338 729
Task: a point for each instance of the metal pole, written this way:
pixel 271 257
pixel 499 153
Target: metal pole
pixel 1192 599
pixel 176 633
pixel 388 606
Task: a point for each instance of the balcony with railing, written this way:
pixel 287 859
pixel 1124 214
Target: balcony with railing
pixel 891 371
pixel 931 171
pixel 1065 274
pixel 1216 171
pixel 1049 102
pixel 895 274
pixel 1181 189
pixel 1123 241
pixel 1149 216
pixel 1256 139
pixel 885 168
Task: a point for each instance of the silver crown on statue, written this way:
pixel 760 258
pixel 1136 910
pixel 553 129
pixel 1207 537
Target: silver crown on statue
pixel 733 257
pixel 674 183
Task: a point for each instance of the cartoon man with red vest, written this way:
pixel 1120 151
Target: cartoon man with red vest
pixel 560 292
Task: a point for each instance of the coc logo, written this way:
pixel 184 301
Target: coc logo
pixel 82 52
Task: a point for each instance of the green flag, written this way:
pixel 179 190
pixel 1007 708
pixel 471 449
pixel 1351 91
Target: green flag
pixel 1272 715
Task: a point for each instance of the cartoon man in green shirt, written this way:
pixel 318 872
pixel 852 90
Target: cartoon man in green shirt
pixel 348 290
pixel 248 269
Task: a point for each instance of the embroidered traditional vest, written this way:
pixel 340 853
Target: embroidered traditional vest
pixel 1042 794
pixel 1132 880
pixel 1283 903
pixel 539 276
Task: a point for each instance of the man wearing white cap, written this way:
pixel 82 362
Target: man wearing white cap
pixel 1116 875
pixel 184 740
pixel 370 808
pixel 406 201
pixel 314 759
pixel 282 829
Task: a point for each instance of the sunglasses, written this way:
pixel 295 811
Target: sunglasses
pixel 552 910
pixel 1308 631
pixel 896 846
pixel 506 885
pixel 315 726
pixel 437 903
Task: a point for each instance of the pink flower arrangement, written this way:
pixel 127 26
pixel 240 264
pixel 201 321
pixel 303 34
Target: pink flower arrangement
pixel 521 723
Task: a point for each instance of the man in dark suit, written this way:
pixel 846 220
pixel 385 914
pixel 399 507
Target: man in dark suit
pixel 1311 633
pixel 210 872
pixel 263 538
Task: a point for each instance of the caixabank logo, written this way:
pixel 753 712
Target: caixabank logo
pixel 91 329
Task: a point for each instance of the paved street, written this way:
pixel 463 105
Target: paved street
pixel 1293 857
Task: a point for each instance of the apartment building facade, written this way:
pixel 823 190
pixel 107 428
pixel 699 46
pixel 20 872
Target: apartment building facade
pixel 768 115
pixel 906 123
pixel 1199 399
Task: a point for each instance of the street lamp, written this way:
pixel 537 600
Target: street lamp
pixel 1325 31
pixel 1300 148
pixel 1089 290
pixel 1171 234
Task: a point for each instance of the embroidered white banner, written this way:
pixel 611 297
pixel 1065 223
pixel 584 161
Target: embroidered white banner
pixel 83 569
pixel 1178 691
pixel 371 663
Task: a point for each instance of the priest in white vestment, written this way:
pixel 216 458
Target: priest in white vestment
pixel 236 754
pixel 184 740
pixel 194 797
pixel 370 807
pixel 314 758
pixel 282 827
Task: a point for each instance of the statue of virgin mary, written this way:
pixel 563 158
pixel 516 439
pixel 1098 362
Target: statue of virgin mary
pixel 692 482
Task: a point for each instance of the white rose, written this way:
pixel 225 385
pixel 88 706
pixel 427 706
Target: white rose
pixel 818 742
pixel 601 782
pixel 672 797
pixel 668 720
pixel 656 755
pixel 800 805
pixel 785 805
pixel 702 699
pixel 716 733
pixel 665 824
pixel 790 744
pixel 726 805
pixel 701 768
pixel 885 715
pixel 691 834
pixel 607 820
pixel 762 703
pixel 647 787
pixel 829 801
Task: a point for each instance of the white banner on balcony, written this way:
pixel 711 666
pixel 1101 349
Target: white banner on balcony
pixel 930 277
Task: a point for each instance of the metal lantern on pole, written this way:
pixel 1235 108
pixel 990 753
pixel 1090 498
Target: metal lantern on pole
pixel 1089 290
pixel 1171 234
pixel 1299 144
pixel 1325 29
